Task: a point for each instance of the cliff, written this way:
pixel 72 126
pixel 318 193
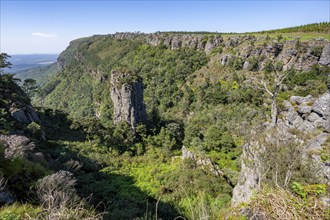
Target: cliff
pixel 302 132
pixel 85 67
pixel 293 53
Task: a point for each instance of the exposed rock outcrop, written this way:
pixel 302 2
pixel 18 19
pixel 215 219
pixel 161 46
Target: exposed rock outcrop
pixel 127 98
pixel 205 163
pixel 325 57
pixel 292 53
pixel 175 41
pixel 24 114
pixel 303 114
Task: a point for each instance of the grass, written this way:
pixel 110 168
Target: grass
pixel 18 211
pixel 281 204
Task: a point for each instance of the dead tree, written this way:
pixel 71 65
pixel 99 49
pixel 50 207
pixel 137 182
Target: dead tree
pixel 271 82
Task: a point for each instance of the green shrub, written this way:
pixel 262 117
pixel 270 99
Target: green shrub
pixel 317 51
pixel 35 129
pixel 253 64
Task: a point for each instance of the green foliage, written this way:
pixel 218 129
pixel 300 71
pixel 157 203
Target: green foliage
pixel 312 82
pixel 217 139
pixel 325 152
pixel 20 174
pixel 190 100
pixel 29 86
pixel 11 95
pixel 298 189
pixel 163 71
pixel 41 74
pixel 253 64
pixel 35 129
pixel 18 211
pixel 3 60
pixel 308 190
pixel 216 50
pixel 238 63
pixel 322 27
pixel 268 66
pixel 195 189
pixel 123 136
pixel 317 51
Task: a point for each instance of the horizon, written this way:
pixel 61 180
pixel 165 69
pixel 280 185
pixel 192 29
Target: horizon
pixel 22 54
pixel 37 27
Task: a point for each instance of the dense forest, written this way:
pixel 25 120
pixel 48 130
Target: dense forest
pixel 217 106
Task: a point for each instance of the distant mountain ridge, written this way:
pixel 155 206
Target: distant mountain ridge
pixel 26 61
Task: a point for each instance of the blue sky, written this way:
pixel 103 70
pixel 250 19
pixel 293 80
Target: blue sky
pixel 49 26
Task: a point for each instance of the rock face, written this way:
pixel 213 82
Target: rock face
pixel 325 57
pixel 175 41
pixel 127 98
pixel 248 181
pixel 24 114
pixel 304 114
pixel 289 52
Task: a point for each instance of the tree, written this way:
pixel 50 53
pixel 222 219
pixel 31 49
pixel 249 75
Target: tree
pixel 29 86
pixel 271 80
pixel 3 60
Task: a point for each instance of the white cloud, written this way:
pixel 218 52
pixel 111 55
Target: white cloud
pixel 44 35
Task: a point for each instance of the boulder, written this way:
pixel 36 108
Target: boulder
pixel 299 99
pixel 327 125
pixel 322 105
pixel 20 116
pixel 306 126
pixel 304 109
pixel 24 114
pixel 290 52
pixel 316 143
pixel 325 57
pixel 225 58
pixel 186 154
pixel 293 118
pixel 287 106
pixel 313 117
pixel 246 65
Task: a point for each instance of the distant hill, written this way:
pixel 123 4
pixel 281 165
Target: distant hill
pixel 42 74
pixel 27 61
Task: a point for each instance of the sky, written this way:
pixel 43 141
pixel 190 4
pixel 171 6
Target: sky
pixel 39 27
